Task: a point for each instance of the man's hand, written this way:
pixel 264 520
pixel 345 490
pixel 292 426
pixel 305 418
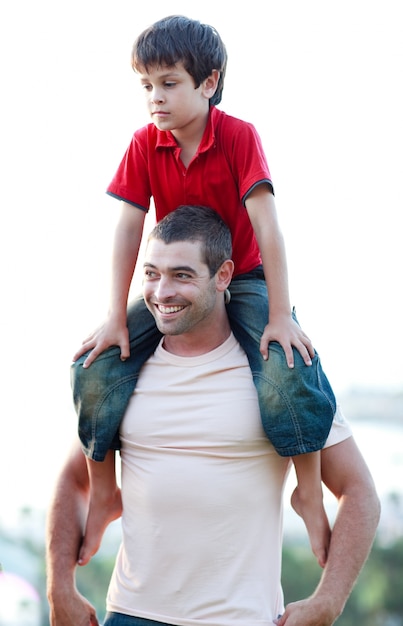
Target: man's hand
pixel 74 610
pixel 308 612
pixel 111 333
pixel 288 334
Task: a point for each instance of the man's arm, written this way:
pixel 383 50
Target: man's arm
pixel 65 528
pixel 346 474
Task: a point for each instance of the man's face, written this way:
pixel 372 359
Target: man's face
pixel 177 287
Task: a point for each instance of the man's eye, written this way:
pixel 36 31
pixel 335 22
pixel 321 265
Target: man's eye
pixel 149 274
pixel 183 276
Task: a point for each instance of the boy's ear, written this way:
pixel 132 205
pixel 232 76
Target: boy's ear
pixel 224 275
pixel 210 84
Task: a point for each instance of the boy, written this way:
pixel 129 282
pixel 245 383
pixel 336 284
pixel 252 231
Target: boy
pixel 193 153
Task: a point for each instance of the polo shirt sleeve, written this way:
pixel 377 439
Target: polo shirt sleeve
pixel 131 182
pixel 248 158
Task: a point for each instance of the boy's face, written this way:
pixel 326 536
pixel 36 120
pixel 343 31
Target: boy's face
pixel 172 100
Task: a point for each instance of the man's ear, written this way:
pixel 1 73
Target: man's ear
pixel 210 84
pixel 224 275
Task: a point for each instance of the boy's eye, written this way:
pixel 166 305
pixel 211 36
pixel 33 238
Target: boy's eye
pixel 169 84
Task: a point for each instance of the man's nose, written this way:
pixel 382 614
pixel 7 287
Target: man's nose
pixel 165 289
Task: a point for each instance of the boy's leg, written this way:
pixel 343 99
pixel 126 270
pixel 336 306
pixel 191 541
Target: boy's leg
pixel 105 504
pixel 297 405
pixel 101 392
pixel 307 501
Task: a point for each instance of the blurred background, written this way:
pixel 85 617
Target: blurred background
pixel 321 82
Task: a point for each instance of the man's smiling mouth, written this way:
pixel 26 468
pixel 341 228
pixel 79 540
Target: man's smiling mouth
pixel 169 309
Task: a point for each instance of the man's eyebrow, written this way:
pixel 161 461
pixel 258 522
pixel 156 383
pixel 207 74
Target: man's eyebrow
pixel 174 268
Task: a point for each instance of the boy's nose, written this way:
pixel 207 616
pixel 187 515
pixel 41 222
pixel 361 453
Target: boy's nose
pixel 157 96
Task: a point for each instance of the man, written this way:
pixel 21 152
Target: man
pixel 201 484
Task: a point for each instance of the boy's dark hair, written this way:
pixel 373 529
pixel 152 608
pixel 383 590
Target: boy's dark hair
pixel 197 223
pixel 178 39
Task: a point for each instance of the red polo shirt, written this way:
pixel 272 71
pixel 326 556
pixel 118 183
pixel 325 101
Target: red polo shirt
pixel 228 164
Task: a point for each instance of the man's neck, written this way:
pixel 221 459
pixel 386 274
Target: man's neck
pixel 197 343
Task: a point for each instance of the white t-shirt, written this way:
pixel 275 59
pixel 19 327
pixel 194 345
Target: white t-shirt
pixel 202 495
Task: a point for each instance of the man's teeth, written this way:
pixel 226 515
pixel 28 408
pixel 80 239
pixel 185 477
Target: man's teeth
pixel 169 309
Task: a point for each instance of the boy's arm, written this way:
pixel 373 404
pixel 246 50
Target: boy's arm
pixel 64 530
pixel 126 247
pixel 281 327
pixel 346 474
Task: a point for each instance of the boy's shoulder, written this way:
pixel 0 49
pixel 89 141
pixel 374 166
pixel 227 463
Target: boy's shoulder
pixel 220 117
pixel 146 130
pixel 228 128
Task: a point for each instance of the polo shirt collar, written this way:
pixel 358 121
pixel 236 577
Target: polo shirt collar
pixel 165 139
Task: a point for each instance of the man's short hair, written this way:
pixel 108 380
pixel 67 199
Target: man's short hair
pixel 197 223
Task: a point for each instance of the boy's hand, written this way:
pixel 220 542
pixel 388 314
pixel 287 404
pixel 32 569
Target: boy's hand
pixel 288 334
pixel 109 334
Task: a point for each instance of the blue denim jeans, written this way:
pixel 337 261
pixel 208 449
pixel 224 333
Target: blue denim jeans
pixel 296 405
pixel 119 619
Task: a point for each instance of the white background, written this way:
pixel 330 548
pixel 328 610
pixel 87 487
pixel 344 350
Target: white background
pixel 321 81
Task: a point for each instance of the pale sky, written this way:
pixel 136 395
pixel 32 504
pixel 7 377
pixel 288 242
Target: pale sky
pixel 320 81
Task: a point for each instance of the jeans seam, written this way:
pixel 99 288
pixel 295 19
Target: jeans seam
pixel 298 435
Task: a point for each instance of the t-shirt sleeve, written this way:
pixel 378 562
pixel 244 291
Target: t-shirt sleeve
pixel 340 429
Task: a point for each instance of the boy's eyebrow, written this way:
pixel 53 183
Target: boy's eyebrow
pixel 168 74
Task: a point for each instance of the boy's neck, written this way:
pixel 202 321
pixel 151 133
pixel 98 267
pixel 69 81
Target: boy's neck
pixel 189 138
